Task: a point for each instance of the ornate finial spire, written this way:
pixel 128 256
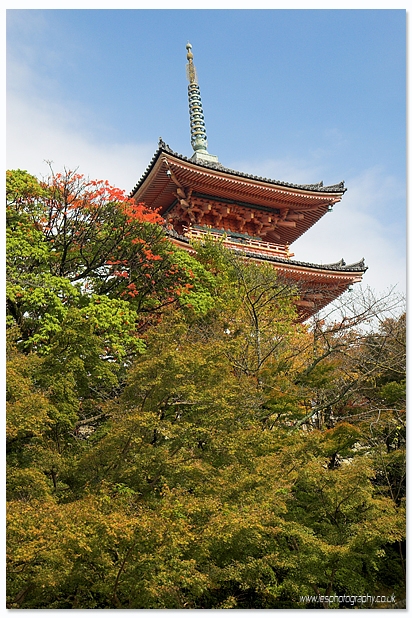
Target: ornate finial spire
pixel 197 120
pixel 190 67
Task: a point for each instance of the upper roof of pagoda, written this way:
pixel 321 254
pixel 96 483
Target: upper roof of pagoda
pixel 168 171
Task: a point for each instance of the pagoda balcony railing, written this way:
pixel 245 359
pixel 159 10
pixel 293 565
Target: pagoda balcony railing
pixel 242 244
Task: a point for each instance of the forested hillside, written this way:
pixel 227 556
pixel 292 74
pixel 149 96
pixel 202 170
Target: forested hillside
pixel 175 437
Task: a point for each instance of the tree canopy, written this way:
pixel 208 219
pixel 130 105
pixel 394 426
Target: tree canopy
pixel 175 437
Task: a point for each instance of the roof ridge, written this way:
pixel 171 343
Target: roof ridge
pixel 356 265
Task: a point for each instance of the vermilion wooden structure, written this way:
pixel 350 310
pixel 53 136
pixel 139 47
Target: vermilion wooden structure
pixel 257 217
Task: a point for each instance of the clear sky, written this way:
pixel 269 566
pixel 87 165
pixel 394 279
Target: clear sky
pixel 293 95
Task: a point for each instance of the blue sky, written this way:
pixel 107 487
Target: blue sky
pixel 294 95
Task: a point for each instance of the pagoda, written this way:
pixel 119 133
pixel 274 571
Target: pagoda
pixel 258 218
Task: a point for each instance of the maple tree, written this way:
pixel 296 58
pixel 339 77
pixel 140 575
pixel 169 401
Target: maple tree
pixel 72 241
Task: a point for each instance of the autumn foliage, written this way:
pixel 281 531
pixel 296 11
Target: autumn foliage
pixel 175 440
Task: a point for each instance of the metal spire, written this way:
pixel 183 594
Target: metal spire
pixel 198 135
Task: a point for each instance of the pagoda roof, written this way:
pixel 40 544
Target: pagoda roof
pixel 296 207
pixel 163 147
pixel 319 284
pixel 339 267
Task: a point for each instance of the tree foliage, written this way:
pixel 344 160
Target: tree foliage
pixel 175 438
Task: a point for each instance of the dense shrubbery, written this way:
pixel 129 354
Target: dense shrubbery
pixel 175 439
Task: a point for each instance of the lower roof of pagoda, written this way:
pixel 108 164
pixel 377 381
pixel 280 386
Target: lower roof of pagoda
pixel 318 284
pixel 357 268
pixel 179 188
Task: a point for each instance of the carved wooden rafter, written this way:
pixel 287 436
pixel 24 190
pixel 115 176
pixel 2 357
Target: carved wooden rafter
pixel 238 218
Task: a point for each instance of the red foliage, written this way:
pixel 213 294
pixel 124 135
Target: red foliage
pixel 104 238
pixel 139 212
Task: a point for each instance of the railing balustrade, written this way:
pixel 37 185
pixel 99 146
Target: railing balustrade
pixel 260 245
